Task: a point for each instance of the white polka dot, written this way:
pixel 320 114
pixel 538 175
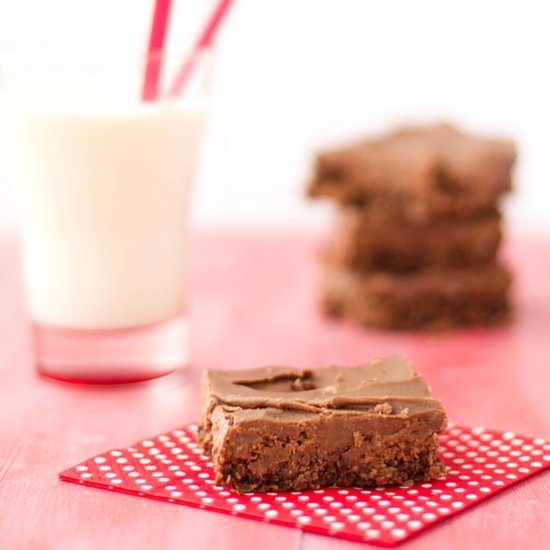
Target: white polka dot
pixel 471 496
pixel 176 493
pixel 264 506
pixel 345 511
pixel 320 511
pixel 100 459
pixel 303 498
pixel 207 500
pixel 288 505
pixel 304 519
pixel 353 518
pixel 116 453
pixel 536 464
pixel 457 504
pixel 271 513
pixel 414 524
pixel 337 525
pixel 106 468
pixel 387 524
pixel 85 475
pixel 429 516
pixel 239 507
pixel 336 504
pixel 372 533
pixel 117 481
pixel 399 533
pixel 311 504
pixel 81 468
pixel 329 519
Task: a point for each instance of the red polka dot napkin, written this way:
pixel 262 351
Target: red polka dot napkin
pixel 171 467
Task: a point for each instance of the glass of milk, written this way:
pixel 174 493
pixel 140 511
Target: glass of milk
pixel 104 185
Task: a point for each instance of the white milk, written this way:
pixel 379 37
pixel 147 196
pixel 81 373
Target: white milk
pixel 105 199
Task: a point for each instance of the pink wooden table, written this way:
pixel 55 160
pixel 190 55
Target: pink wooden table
pixel 253 303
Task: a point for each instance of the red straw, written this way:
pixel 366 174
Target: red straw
pixel 154 51
pixel 204 40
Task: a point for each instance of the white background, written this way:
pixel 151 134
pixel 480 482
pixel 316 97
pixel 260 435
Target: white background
pixel 295 75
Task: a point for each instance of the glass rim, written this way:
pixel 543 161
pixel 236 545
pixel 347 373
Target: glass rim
pixel 59 52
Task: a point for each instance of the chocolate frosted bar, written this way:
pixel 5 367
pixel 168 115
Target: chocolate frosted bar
pixel 371 239
pixel 283 429
pixel 427 171
pixel 425 299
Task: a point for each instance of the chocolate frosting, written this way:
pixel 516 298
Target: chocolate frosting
pixel 389 382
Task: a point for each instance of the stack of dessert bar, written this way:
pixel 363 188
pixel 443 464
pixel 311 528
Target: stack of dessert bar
pixel 418 230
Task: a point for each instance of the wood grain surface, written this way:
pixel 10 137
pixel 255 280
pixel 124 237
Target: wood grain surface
pixel 253 303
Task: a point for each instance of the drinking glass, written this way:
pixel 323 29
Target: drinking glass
pixel 104 182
